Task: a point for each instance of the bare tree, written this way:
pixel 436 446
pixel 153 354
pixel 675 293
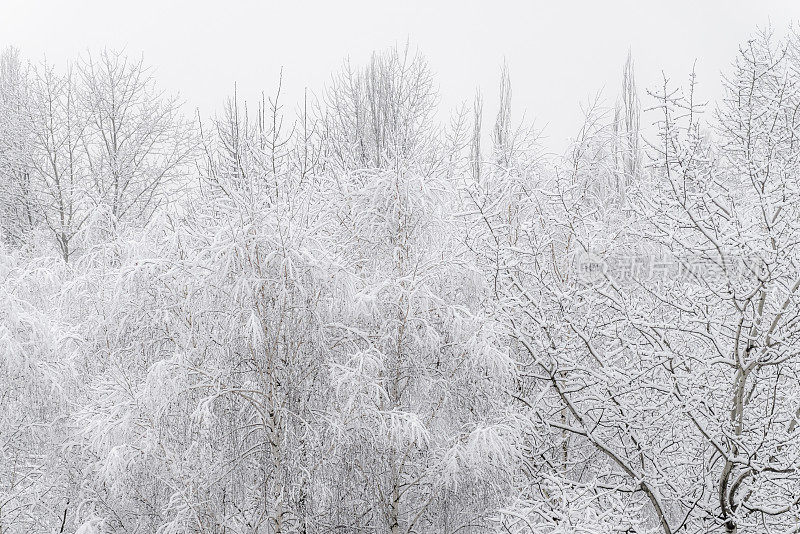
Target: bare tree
pixel 627 155
pixel 475 140
pixel 381 115
pixel 57 160
pixel 136 143
pixel 18 204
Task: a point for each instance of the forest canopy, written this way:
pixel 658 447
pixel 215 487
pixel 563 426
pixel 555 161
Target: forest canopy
pixel 347 315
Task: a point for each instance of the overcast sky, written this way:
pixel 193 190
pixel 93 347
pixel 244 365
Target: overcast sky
pixel 559 53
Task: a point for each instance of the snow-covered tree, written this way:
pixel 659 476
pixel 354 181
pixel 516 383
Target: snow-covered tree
pixel 136 141
pixel 357 319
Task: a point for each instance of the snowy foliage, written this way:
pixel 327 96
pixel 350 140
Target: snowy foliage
pixel 362 319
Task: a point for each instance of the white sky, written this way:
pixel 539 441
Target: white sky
pixel 559 52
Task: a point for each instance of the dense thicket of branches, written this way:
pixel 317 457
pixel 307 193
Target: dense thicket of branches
pixel 362 319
